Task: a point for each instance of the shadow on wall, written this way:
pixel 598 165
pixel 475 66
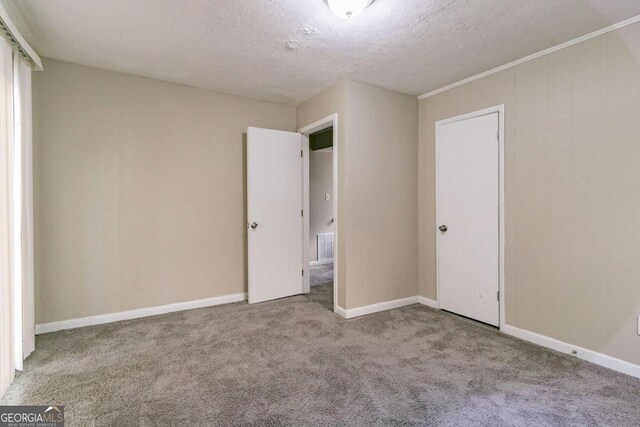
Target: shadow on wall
pixel 616 280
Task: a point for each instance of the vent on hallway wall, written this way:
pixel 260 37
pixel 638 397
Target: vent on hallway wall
pixel 325 246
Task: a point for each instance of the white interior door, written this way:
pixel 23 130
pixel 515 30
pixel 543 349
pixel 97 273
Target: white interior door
pixel 468 217
pixel 275 203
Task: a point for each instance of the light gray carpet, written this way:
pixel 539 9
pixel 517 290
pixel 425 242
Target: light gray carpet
pixel 321 274
pixel 294 362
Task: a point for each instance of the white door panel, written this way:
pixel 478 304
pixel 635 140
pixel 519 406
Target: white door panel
pixel 468 205
pixel 274 204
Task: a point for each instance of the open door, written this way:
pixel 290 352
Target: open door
pixel 275 214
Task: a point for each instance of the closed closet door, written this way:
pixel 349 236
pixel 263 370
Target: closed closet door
pixel 467 229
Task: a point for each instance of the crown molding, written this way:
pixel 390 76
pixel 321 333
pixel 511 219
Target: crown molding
pixel 605 30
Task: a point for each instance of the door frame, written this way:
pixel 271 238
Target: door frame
pixel 501 208
pixel 325 123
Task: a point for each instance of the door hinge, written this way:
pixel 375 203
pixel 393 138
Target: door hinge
pixel 302 273
pixel 301 153
pixel 498 295
pixel 302 213
pixel 498 136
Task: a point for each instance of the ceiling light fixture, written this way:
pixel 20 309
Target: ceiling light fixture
pixel 348 9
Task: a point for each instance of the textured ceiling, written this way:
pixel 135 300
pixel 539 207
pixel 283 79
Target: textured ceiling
pixel 290 50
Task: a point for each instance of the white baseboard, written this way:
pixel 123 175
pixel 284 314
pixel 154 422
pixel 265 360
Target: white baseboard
pixel 341 312
pixel 45 328
pixel 383 306
pixel 582 353
pixel 428 302
pixel 324 261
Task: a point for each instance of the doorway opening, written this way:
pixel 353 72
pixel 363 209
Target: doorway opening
pixel 320 225
pixel 321 217
pixel 279 248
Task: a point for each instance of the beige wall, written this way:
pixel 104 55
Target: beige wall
pixel 139 190
pixel 320 209
pixel 377 187
pixel 381 204
pixel 572 199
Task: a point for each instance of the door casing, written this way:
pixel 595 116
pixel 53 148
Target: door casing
pixel 327 122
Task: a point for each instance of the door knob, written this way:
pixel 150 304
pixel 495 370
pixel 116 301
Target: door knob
pixel 443 228
pixel 254 225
